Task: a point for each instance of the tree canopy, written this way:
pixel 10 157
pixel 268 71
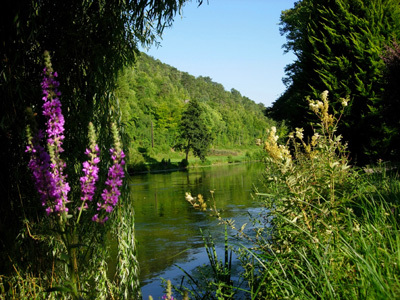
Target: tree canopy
pixel 89 42
pixel 193 134
pixel 339 47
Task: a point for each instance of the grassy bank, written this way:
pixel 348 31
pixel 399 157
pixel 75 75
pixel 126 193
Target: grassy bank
pixel 154 160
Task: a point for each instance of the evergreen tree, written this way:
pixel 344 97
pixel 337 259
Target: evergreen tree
pixel 391 104
pixel 193 133
pixel 339 44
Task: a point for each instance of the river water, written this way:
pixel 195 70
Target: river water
pixel 168 227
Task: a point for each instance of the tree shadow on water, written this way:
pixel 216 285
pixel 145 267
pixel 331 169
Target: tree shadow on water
pixel 150 164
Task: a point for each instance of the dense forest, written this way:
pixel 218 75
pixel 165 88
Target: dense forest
pixel 154 95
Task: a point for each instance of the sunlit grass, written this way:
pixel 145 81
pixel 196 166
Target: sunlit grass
pixel 155 160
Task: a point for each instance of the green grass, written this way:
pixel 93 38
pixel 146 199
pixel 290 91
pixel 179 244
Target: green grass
pixel 360 259
pixel 154 160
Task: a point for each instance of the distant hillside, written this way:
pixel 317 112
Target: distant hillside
pixel 153 95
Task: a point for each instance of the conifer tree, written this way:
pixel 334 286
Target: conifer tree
pixel 391 104
pixel 339 45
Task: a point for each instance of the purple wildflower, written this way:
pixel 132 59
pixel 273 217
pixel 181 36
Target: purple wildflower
pixel 48 168
pixel 90 169
pixel 111 193
pixel 55 136
pixel 39 165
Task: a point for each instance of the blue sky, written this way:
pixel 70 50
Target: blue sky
pixel 235 42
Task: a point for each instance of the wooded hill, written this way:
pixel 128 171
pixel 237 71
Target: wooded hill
pixel 153 96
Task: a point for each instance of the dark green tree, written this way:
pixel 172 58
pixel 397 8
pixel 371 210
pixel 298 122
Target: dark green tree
pixel 339 44
pixel 89 42
pixel 391 104
pixel 193 133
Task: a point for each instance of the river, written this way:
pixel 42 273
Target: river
pixel 168 227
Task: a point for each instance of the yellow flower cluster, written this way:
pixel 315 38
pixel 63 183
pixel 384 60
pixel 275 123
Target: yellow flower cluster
pixel 344 101
pixel 308 148
pixel 277 152
pixel 320 108
pixel 299 133
pixel 197 203
pixel 314 139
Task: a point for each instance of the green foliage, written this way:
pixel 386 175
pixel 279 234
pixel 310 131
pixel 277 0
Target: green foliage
pixel 354 258
pixel 328 230
pixel 90 42
pixel 211 281
pixel 391 105
pixel 152 96
pixel 339 47
pixel 193 133
pixel 329 233
pixel 126 284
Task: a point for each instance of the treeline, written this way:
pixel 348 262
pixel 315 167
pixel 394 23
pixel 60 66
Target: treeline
pixel 349 48
pixel 153 96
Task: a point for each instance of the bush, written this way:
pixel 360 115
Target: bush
pixel 184 163
pixel 325 235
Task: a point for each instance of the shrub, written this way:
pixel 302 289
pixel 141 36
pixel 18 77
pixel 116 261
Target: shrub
pixel 309 190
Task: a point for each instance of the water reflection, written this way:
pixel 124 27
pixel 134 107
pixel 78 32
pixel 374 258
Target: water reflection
pixel 167 227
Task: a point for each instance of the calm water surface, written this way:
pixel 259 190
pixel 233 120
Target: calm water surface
pixel 168 227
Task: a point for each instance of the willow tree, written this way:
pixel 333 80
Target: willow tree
pixel 339 46
pixel 89 42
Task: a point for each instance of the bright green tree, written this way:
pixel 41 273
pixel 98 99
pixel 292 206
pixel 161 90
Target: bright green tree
pixel 193 133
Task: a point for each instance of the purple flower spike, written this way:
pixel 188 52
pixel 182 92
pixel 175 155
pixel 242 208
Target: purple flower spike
pixel 90 169
pixel 55 136
pixel 48 168
pixel 111 193
pixel 39 165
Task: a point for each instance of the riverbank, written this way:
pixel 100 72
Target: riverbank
pixel 173 161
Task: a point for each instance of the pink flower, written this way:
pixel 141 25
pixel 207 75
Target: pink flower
pixel 111 193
